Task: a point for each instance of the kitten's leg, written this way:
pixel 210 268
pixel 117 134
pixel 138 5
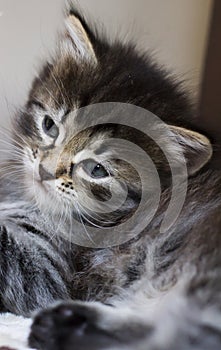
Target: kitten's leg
pixel 85 326
pixel 94 326
pixel 29 272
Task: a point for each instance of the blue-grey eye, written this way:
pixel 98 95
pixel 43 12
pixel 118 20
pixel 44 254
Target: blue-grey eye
pixel 49 127
pixel 95 170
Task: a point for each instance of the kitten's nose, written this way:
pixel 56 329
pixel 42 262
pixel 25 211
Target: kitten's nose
pixel 44 175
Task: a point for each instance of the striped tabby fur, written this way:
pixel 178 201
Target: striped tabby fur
pixel 157 291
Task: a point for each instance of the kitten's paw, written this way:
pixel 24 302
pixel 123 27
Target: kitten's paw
pixel 84 326
pixel 68 326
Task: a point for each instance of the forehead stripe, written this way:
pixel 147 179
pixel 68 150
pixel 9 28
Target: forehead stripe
pixel 38 104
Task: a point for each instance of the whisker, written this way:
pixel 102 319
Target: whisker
pixel 8 134
pixel 2 176
pixel 15 153
pixel 95 217
pixel 11 143
pixel 85 229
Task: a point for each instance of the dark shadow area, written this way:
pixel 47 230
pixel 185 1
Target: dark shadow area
pixel 210 98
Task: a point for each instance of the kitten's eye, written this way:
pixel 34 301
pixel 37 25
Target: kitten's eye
pixel 49 127
pixel 95 170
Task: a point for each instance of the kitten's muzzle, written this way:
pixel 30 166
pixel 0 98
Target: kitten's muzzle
pixel 44 174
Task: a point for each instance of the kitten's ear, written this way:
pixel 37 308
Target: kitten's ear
pixel 76 39
pixel 196 148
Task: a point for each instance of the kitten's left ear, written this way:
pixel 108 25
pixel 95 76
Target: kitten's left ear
pixel 196 148
pixel 76 40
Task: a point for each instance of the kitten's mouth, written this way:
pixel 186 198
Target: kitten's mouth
pixel 45 186
pixel 48 186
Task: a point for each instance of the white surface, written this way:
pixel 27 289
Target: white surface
pixel 14 331
pixel 175 29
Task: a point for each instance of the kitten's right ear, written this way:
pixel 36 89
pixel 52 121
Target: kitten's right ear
pixel 195 147
pixel 76 41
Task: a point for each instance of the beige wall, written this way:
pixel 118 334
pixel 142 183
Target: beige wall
pixel 175 29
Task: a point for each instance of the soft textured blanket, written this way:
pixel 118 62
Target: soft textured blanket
pixel 14 332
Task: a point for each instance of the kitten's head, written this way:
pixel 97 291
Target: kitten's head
pixel 61 165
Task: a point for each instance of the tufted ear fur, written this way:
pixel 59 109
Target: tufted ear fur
pixel 196 148
pixel 76 39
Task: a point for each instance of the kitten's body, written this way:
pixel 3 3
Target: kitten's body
pixel 164 288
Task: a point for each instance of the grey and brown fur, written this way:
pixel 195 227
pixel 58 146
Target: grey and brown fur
pixel 157 291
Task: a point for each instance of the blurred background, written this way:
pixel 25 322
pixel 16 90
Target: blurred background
pixel 176 30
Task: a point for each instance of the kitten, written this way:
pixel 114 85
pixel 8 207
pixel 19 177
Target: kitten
pixel 156 290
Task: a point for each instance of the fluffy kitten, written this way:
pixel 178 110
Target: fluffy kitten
pixel 156 291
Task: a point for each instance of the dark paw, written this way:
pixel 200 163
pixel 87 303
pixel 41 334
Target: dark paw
pixel 67 327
